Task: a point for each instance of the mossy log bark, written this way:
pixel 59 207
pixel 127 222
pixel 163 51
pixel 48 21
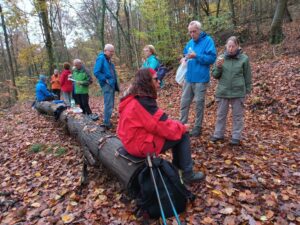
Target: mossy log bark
pixel 98 145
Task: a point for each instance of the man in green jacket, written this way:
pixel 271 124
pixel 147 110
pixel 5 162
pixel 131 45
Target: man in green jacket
pixel 233 71
pixel 81 84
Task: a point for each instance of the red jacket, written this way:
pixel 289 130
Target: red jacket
pixel 141 132
pixel 66 85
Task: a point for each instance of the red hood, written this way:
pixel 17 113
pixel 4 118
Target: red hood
pixel 124 102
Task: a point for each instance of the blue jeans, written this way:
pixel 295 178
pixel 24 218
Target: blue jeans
pixel 109 100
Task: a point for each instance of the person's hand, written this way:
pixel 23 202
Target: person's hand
pixel 187 127
pixel 191 55
pixel 220 62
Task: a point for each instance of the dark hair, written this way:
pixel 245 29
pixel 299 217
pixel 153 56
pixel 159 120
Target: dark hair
pixel 67 66
pixel 143 85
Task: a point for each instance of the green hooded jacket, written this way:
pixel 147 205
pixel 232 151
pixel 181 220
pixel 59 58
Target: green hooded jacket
pixel 234 77
pixel 82 81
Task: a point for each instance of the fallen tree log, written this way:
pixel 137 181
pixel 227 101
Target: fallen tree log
pixel 98 145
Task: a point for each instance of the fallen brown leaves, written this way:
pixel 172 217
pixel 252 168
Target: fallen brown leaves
pixel 255 183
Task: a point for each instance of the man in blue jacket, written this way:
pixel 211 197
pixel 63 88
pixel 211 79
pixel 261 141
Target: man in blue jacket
pixel 105 72
pixel 200 53
pixel 41 91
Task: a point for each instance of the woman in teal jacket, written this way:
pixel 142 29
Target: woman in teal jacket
pixel 233 71
pixel 151 61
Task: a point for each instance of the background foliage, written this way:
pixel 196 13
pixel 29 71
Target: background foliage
pixel 79 29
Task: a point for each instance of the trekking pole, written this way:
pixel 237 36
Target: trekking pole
pixel 156 190
pixel 169 197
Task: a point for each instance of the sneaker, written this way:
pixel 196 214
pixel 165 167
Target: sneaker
pixel 193 178
pixel 196 132
pixel 235 141
pixel 216 139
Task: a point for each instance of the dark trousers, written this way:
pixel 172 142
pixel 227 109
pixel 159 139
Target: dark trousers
pixel 83 101
pixel 49 98
pixel 181 150
pixel 56 92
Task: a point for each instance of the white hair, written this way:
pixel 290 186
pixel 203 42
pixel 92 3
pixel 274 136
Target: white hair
pixel 55 70
pixel 109 47
pixel 195 23
pixel 75 61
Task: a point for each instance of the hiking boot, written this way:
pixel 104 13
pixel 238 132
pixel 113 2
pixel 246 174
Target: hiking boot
pixel 193 178
pixel 196 132
pixel 235 141
pixel 215 139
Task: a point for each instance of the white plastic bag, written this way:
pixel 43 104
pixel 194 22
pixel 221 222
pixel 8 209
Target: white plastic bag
pixel 180 73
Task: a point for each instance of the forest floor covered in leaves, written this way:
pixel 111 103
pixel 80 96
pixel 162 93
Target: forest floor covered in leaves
pixel 255 183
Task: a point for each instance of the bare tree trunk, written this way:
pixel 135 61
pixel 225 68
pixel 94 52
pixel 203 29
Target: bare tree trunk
pixel 218 8
pixel 9 55
pixel 127 15
pixel 288 15
pixel 127 39
pixel 102 24
pixel 257 19
pixel 118 32
pixel 276 35
pixel 33 64
pixel 233 17
pixel 41 7
pixel 14 53
pixel 4 61
pixel 205 7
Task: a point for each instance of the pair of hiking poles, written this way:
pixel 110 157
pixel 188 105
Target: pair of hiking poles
pixel 157 192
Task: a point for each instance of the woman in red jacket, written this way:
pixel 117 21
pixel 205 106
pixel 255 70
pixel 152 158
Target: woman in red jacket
pixel 66 85
pixel 144 128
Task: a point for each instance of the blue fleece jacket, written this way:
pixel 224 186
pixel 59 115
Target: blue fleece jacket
pixel 104 71
pixel 41 91
pixel 198 67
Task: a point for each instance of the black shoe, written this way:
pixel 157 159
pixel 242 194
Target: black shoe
pixel 107 127
pixel 193 178
pixel 235 142
pixel 196 132
pixel 216 139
